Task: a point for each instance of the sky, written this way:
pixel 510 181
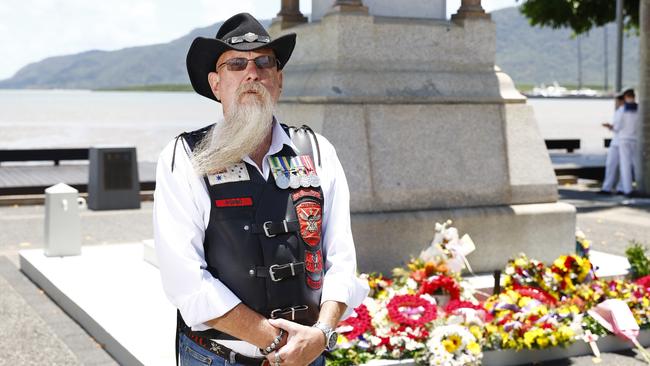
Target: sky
pixel 32 30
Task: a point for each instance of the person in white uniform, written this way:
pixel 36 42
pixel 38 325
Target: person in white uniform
pixel 612 161
pixel 627 140
pixel 252 218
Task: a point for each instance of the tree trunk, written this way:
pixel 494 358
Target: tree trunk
pixel 643 148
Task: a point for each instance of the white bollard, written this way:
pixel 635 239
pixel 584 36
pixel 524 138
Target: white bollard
pixel 62 222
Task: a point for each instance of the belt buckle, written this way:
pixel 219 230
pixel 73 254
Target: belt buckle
pixel 291 310
pixel 266 229
pixel 280 266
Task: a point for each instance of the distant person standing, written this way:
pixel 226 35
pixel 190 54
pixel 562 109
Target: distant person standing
pixel 627 137
pixel 612 162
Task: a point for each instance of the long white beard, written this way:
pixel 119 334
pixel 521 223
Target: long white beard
pixel 246 124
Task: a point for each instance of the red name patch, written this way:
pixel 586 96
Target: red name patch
pixel 235 202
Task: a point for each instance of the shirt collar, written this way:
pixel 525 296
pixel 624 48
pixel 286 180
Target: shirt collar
pixel 279 139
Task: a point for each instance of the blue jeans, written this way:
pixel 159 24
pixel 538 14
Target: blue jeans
pixel 191 354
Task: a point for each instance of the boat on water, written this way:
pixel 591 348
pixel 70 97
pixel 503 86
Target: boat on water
pixel 557 91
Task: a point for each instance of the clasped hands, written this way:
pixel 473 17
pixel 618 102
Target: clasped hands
pixel 302 346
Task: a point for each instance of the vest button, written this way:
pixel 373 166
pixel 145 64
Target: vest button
pixel 251 272
pixel 246 227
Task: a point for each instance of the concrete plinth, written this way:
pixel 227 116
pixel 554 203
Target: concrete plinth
pixel 500 232
pixel 427 129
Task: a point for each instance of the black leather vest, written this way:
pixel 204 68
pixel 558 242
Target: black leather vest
pixel 264 243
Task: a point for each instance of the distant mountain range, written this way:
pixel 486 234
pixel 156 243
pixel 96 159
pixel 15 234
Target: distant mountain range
pixel 534 55
pixel 530 55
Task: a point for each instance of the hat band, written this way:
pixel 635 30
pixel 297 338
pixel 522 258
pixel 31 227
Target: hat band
pixel 249 37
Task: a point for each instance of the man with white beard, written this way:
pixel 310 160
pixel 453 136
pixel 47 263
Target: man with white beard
pixel 251 217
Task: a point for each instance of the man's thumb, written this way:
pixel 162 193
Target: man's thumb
pixel 283 323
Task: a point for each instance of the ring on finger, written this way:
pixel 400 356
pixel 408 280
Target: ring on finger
pixel 277 359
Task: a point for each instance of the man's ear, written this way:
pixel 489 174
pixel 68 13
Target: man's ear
pixel 213 80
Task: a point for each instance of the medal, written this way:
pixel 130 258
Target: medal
pixel 280 175
pixel 282 181
pixel 314 180
pixel 305 181
pixel 294 181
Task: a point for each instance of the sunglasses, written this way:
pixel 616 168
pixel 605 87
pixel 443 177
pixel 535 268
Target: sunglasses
pixel 240 63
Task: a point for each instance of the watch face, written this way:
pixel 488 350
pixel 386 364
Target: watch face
pixel 331 341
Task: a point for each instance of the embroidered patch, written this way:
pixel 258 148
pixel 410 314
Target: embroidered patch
pixel 309 216
pixel 314 261
pixel 235 202
pixel 234 173
pixel 305 192
pixel 314 284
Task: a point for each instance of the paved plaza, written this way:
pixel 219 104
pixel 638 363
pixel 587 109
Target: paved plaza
pixel 33 325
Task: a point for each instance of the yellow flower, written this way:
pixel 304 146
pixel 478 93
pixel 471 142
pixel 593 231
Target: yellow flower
pixel 565 332
pixel 542 341
pixel 531 335
pixel 559 262
pixel 474 348
pixel 476 331
pixel 524 301
pixel 449 345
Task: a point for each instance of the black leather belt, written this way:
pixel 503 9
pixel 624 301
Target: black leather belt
pixel 271 229
pixel 225 352
pixel 278 272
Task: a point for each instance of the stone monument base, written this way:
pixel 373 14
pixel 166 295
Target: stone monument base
pixel 499 232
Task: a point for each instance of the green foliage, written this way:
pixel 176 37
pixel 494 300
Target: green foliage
pixel 579 15
pixel 590 324
pixel 347 357
pixel 153 87
pixel 636 255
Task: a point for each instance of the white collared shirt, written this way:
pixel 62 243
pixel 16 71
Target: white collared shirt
pixel 181 214
pixel 626 125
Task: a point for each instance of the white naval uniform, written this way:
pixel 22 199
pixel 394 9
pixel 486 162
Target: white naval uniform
pixel 627 139
pixel 612 161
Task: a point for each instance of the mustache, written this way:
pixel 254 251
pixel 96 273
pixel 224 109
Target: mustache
pixel 251 87
pixel 246 123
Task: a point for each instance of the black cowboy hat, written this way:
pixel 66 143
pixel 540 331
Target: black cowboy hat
pixel 242 32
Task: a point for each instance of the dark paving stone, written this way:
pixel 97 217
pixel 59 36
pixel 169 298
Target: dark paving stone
pixel 32 324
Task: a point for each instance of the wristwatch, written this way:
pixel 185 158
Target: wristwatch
pixel 331 335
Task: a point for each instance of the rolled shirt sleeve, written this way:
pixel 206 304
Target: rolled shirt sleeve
pixel 341 282
pixel 180 216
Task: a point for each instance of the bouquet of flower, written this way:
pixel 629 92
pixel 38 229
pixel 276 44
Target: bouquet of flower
pixel 526 321
pixel 424 313
pixel 451 345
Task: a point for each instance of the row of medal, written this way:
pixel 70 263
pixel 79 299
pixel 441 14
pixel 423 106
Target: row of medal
pixel 294 171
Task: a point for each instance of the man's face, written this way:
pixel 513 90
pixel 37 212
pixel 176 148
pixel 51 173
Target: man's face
pixel 225 82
